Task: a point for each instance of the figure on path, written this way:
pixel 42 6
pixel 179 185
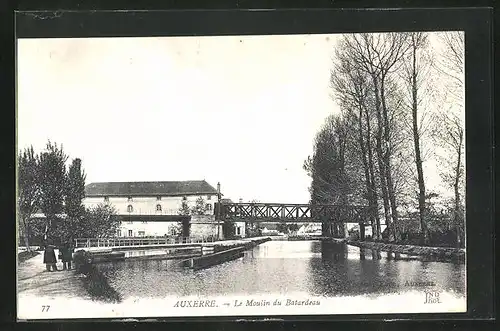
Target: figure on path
pixel 66 255
pixel 49 258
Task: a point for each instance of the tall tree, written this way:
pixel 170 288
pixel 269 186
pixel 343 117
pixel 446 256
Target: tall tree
pixel 28 190
pixel 452 63
pixel 52 184
pixel 352 92
pixel 327 167
pixel 450 135
pixel 74 195
pixel 416 69
pixel 379 55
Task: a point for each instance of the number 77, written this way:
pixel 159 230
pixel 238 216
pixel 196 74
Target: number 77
pixel 45 308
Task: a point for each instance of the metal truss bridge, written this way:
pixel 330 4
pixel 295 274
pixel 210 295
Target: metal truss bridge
pixel 296 213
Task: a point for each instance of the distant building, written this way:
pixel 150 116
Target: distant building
pixel 151 208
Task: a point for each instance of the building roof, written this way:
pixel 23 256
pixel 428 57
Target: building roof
pixel 172 188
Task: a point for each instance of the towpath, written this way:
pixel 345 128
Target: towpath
pixel 34 280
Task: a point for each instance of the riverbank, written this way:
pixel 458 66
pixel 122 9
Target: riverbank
pixel 426 252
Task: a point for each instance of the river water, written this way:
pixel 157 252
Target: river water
pixel 312 268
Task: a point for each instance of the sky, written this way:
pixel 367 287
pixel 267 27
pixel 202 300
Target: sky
pixel 239 110
pixel 242 111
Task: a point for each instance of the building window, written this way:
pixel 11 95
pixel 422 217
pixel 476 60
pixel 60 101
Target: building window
pixel 158 198
pixel 209 197
pixel 238 231
pixel 184 198
pixel 158 207
pixel 141 233
pixel 129 199
pixel 130 233
pixel 173 231
pixel 106 199
pixel 130 208
pixel 119 233
pixel 209 206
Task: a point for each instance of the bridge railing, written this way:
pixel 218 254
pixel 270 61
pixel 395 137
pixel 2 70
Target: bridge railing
pixel 123 241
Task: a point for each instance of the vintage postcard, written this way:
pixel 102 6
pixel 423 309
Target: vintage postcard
pixel 259 175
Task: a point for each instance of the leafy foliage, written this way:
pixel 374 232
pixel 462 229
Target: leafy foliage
pixel 75 190
pixel 181 228
pixel 200 207
pixel 184 209
pixel 282 227
pixel 327 165
pixel 52 179
pixel 44 184
pixel 99 222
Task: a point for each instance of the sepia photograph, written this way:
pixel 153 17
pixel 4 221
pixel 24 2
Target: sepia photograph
pixel 244 175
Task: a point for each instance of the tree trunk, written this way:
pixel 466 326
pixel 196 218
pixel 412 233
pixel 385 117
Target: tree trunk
pixel 366 172
pixel 373 184
pixel 380 159
pixel 387 163
pixel 456 187
pixel 418 156
pixel 26 232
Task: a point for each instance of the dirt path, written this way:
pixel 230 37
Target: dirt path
pixel 34 280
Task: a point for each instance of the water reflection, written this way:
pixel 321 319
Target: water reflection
pixel 281 267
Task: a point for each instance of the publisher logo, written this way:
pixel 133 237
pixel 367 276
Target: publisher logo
pixel 432 297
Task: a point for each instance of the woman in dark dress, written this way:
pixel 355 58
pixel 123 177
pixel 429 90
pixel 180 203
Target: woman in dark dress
pixel 49 258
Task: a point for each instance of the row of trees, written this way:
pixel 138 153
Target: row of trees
pixel 47 186
pixel 401 107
